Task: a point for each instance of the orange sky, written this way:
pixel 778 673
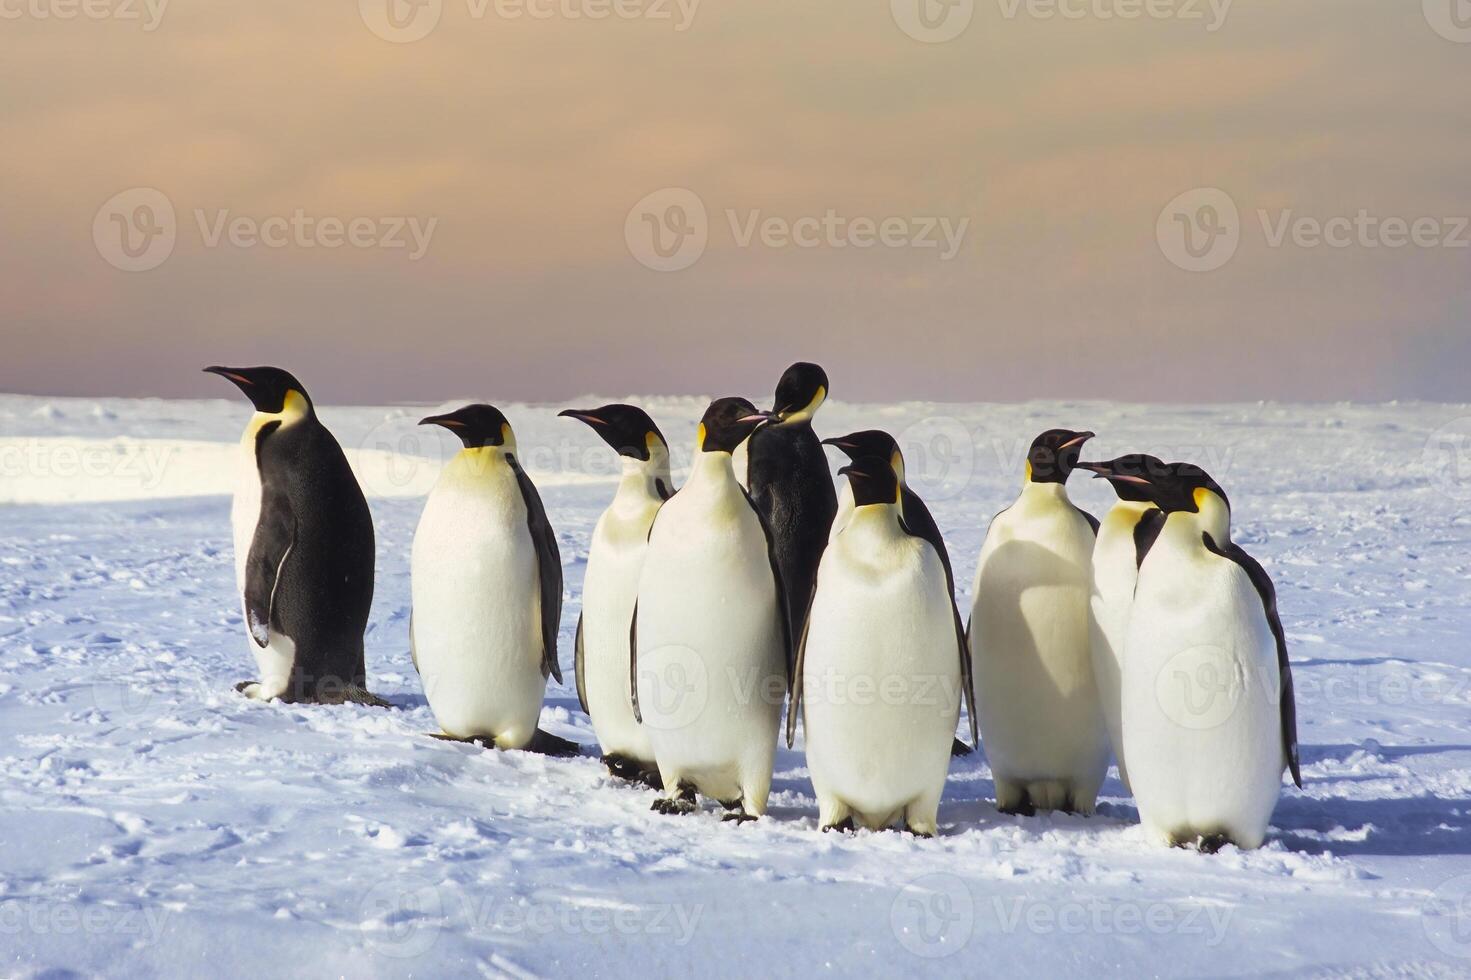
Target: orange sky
pixel 516 147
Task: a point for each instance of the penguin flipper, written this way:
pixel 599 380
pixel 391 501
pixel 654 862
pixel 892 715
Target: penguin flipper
pixel 633 663
pixel 549 568
pixel 783 609
pixel 1287 699
pixel 794 707
pixel 1146 532
pixel 967 678
pixel 917 521
pixel 1092 521
pixel 275 533
pixel 579 669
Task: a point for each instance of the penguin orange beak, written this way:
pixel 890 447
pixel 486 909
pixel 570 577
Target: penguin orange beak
pixel 760 417
pixel 582 416
pixel 230 374
pixel 837 443
pixel 1077 440
pixel 448 421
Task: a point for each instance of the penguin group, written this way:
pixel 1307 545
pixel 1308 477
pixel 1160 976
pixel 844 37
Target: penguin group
pixel 758 587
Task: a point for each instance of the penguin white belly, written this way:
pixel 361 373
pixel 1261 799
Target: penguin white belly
pixel 881 689
pixel 1040 720
pixel 845 512
pixel 1115 572
pixel 609 590
pixel 477 607
pixel 1201 714
pixel 274 661
pixel 711 664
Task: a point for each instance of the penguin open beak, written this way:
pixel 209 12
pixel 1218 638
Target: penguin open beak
pixel 1077 440
pixel 590 418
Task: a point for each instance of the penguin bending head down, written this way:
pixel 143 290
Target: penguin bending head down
pixel 1041 721
pixel 710 634
pixel 303 548
pixel 882 618
pixel 1128 526
pixel 610 586
pixel 1209 718
pixel 917 518
pixel 788 476
pixel 487 591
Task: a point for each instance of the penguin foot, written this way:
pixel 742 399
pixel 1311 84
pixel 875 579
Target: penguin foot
pixel 678 805
pixel 1212 843
pixel 545 743
pixel 361 695
pixel 844 826
pixel 921 834
pixel 632 770
pixel 739 817
pixel 1023 807
pixel 250 689
pixel 959 748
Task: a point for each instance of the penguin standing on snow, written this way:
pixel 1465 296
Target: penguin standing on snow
pixel 788 476
pixel 610 586
pixel 303 548
pixel 487 591
pixel 917 518
pixel 1128 526
pixel 1209 717
pixel 1041 721
pixel 881 667
pixel 710 633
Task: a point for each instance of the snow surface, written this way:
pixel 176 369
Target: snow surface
pixel 153 822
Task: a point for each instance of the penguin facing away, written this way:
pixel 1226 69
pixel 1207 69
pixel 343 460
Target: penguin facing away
pixel 917 518
pixel 1209 717
pixel 610 586
pixel 710 633
pixel 487 591
pixel 1041 721
pixel 881 667
pixel 1131 521
pixel 303 548
pixel 790 481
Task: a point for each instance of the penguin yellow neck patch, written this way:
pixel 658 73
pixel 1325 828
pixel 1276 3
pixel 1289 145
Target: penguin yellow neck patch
pixel 700 438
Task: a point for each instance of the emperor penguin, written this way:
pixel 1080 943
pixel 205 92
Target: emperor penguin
pixel 303 548
pixel 486 587
pixel 1133 520
pixel 1041 722
pixel 1209 717
pixel 610 586
pixel 788 476
pixel 917 518
pixel 710 633
pixel 882 666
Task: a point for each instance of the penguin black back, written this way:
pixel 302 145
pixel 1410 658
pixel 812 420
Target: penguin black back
pixel 791 484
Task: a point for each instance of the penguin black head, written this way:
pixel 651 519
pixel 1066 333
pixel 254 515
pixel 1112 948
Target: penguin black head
pixel 800 393
pixel 727 423
pixel 870 442
pixel 1184 488
pixel 1129 475
pixel 268 388
pixel 627 429
pixel 477 426
pixel 1054 454
pixel 873 481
